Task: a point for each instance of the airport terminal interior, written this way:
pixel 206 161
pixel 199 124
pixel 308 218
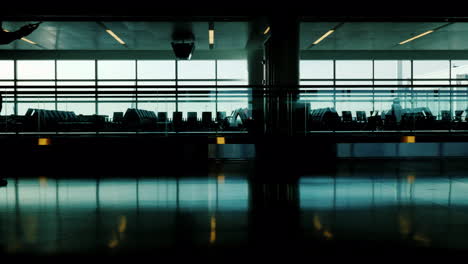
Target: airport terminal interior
pixel 267 135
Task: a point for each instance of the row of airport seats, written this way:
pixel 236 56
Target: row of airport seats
pixel 329 114
pixel 42 119
pixel 50 120
pixel 142 115
pixel 324 119
pixel 139 117
pixel 360 116
pixel 460 115
pixel 328 119
pixel 50 115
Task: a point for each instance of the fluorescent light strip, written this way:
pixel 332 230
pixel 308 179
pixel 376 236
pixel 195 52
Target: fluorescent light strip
pixel 418 36
pixel 115 36
pixel 266 31
pixel 24 39
pixel 211 36
pixel 324 36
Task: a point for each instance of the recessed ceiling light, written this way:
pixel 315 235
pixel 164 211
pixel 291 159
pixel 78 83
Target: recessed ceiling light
pixel 415 37
pixel 115 36
pixel 329 32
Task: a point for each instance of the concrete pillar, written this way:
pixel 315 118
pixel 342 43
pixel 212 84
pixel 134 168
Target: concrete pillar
pixel 256 98
pixel 256 73
pixel 282 75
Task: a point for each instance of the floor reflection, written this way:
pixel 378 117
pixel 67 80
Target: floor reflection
pixel 408 206
pixel 44 215
pixel 378 207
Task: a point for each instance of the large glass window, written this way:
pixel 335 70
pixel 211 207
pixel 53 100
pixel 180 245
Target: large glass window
pixel 319 72
pixel 432 73
pixel 7 76
pixel 353 97
pixel 459 76
pixel 80 76
pixel 36 73
pixel 388 73
pixel 153 75
pixel 231 72
pixel 88 87
pixel 420 87
pixel 196 99
pixel 111 75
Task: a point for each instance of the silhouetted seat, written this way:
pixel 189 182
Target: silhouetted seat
pixel 192 118
pixel 59 115
pixel 347 117
pixel 324 118
pixel 177 119
pixel 118 117
pixel 206 118
pixel 162 116
pixel 136 117
pixel 446 115
pixel 458 115
pixel 220 116
pixel 30 112
pixel 361 116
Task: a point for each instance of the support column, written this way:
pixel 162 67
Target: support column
pixel 256 74
pixel 256 98
pixel 279 148
pixel 282 75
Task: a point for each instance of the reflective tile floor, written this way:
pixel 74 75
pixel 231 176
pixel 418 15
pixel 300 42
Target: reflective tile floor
pixel 391 207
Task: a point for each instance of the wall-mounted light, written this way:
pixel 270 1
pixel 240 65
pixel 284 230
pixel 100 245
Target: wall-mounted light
pixel 211 35
pixel 266 30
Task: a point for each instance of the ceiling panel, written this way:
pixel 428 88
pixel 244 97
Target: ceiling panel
pixel 229 35
pixel 136 35
pixel 384 36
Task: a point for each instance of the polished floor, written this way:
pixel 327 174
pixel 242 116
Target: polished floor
pixel 367 206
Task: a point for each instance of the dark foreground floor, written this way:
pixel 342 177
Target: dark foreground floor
pixel 370 208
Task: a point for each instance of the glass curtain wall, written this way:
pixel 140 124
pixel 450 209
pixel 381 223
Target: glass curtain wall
pixel 76 76
pixel 422 88
pixel 7 82
pixel 110 87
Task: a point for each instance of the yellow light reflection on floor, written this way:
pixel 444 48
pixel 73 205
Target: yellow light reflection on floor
pixel 424 240
pixel 408 139
pixel 220 179
pixel 30 227
pixel 43 141
pixel 114 242
pixel 405 225
pixel 317 224
pixel 327 234
pixel 43 181
pixel 122 224
pixel 220 140
pixel 213 230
